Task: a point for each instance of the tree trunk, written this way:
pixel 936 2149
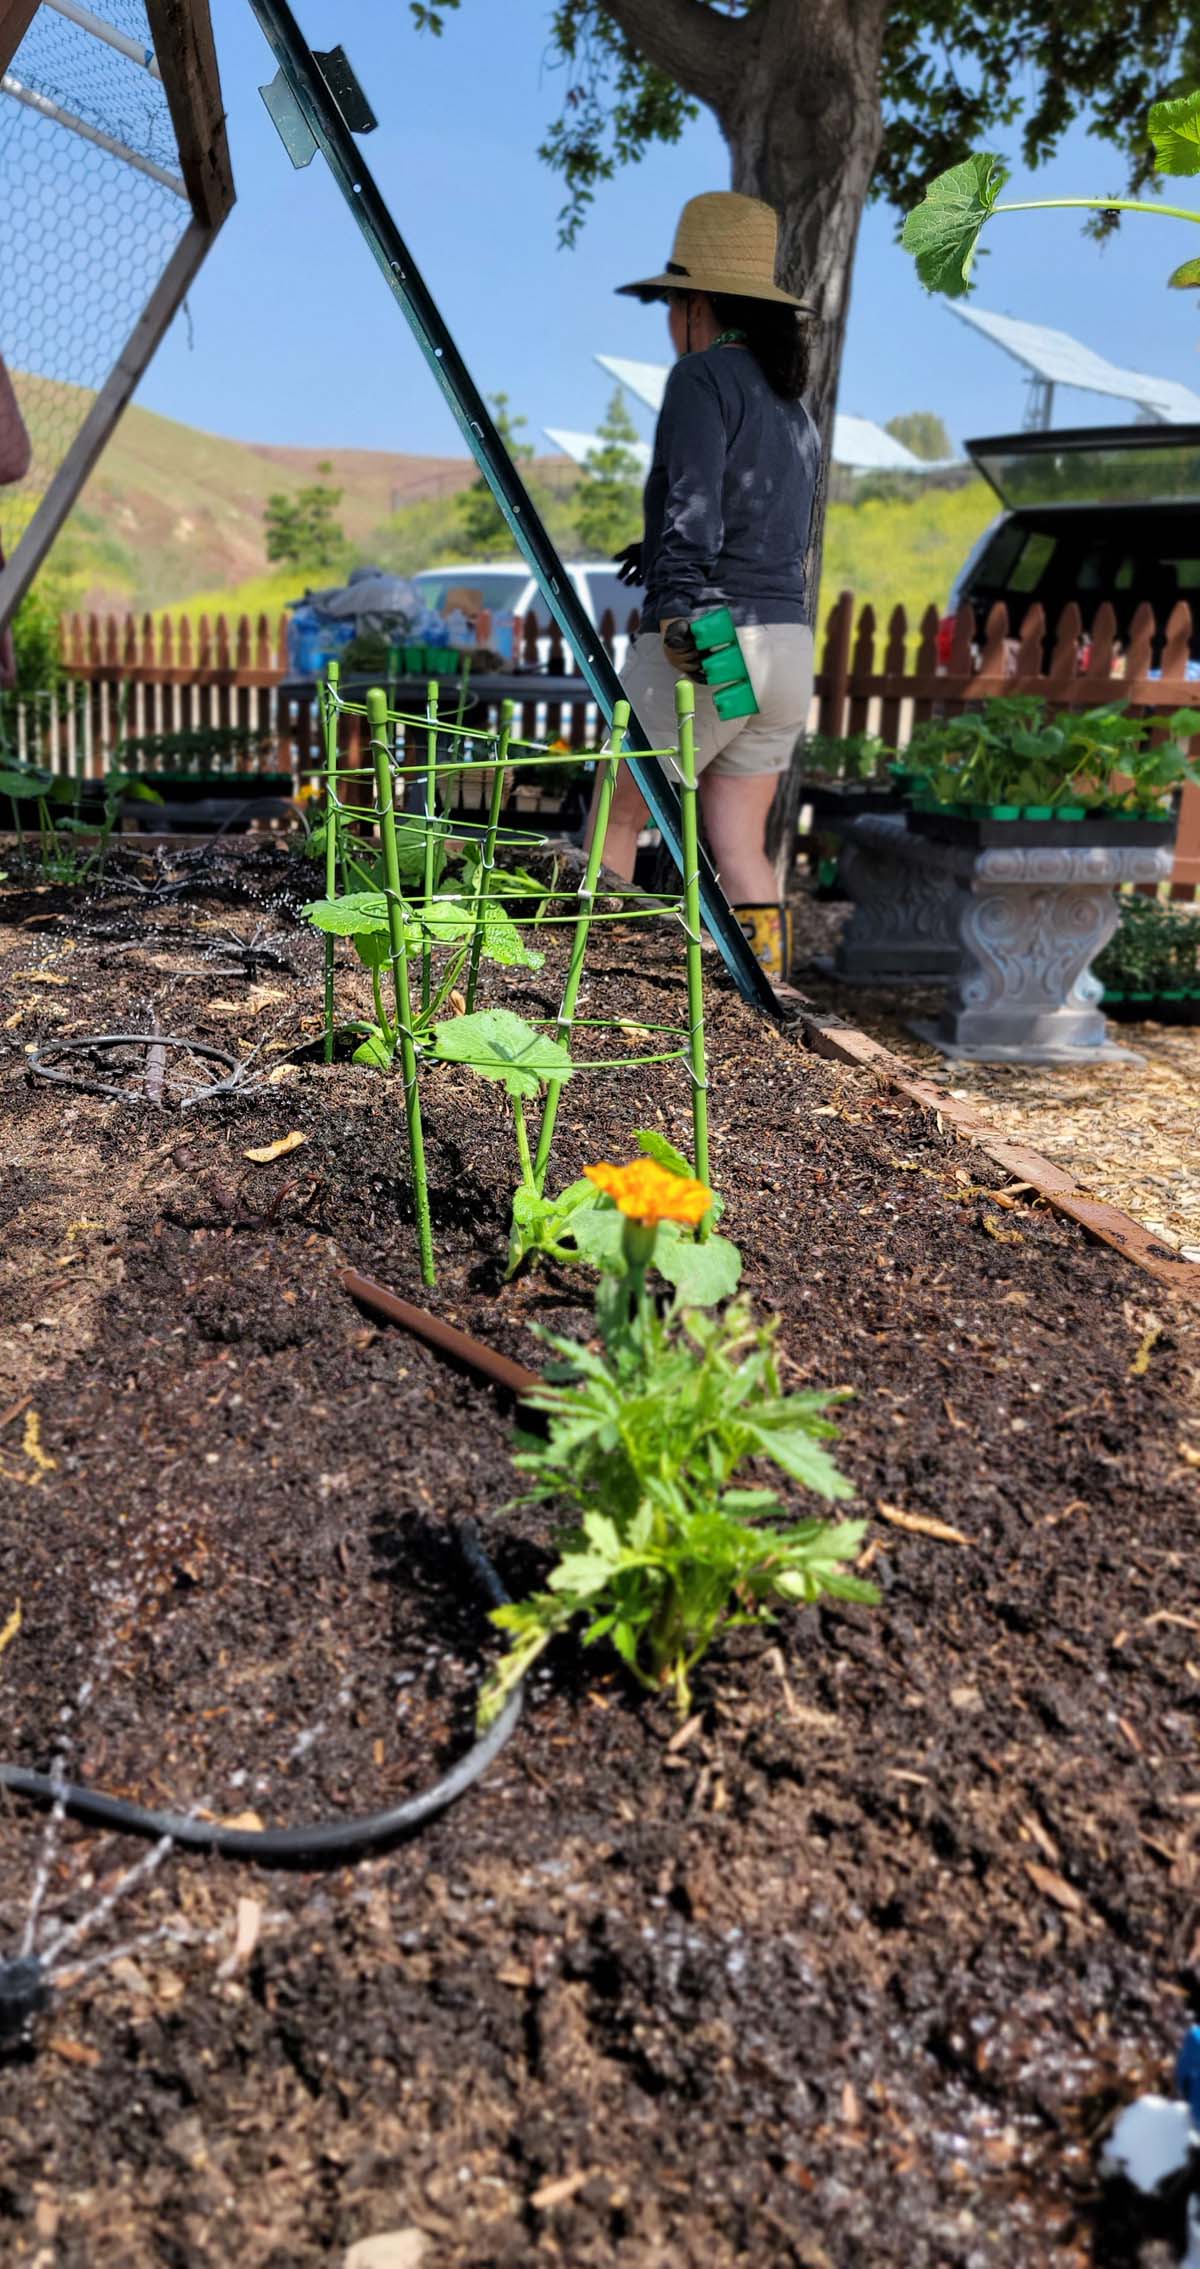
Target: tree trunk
pixel 804 127
pixel 794 85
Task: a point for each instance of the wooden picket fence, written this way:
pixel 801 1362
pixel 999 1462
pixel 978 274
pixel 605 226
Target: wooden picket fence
pixel 130 676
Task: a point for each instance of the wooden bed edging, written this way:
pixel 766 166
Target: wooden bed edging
pixel 828 1036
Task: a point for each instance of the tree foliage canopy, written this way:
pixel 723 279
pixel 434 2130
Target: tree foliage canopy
pixel 302 528
pixel 922 431
pixel 954 72
pixel 608 503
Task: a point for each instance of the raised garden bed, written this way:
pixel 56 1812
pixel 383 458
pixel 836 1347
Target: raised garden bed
pixel 857 1970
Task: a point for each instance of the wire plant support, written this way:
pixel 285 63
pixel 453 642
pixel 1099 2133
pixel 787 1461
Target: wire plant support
pixel 402 913
pixel 317 104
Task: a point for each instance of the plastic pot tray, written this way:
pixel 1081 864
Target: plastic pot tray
pixel 847 800
pixel 1175 1007
pixel 988 826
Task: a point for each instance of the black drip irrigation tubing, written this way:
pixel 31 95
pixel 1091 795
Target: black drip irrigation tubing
pixel 331 1841
pixel 40 1067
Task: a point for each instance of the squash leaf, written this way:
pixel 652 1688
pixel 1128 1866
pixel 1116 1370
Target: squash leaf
pixel 943 230
pixel 1174 129
pixel 501 1046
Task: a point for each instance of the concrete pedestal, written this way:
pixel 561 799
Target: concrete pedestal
pixel 903 928
pixel 1030 921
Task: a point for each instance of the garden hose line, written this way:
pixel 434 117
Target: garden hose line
pixel 325 1841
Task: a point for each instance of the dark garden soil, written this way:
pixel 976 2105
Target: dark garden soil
pixel 854 1970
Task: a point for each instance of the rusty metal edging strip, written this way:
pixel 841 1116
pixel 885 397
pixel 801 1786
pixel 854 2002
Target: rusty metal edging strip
pixel 436 1332
pixel 842 1043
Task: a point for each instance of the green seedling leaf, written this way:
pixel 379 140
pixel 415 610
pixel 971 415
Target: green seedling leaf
pixel 1186 275
pixel 663 1153
pixel 794 1449
pixel 373 947
pixel 502 1047
pixel 356 915
pixel 376 1050
pixel 598 1234
pixel 443 921
pixel 943 231
pixel 19 788
pixel 702 1275
pixel 1174 129
pixel 502 940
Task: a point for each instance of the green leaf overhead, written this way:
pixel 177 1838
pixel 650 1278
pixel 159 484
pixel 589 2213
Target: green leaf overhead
pixel 943 231
pixel 501 1046
pixel 1175 133
pixel 1186 275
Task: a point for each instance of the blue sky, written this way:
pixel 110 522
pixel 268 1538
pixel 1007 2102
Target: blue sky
pixel 295 338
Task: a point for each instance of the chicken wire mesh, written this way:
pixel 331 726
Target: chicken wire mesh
pixel 92 207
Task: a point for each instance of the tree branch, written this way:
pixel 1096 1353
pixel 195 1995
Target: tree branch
pixel 686 40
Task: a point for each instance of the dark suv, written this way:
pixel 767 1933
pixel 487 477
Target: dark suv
pixel 1095 513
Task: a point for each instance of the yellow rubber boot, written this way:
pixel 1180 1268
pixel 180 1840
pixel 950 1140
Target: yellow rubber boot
pixel 769 931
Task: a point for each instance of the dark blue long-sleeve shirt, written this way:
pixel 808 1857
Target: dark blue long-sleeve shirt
pixel 729 495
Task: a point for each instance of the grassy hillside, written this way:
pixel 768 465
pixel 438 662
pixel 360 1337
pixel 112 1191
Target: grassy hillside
pixel 170 510
pixel 172 519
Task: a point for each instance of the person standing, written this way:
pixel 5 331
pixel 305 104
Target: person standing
pixel 727 512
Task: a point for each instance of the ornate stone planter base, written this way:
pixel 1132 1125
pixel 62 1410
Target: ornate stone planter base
pixel 1030 920
pixel 993 1052
pixel 903 928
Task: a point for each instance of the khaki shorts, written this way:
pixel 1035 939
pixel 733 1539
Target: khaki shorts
pixel 779 657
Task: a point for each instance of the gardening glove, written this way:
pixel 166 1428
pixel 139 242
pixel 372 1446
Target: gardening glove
pixel 681 649
pixel 629 564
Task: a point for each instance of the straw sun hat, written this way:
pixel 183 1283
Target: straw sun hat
pixel 725 244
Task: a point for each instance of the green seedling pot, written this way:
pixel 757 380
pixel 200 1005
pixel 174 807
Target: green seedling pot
pixel 1040 811
pixel 1071 811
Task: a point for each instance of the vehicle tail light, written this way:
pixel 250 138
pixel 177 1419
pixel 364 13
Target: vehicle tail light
pixel 945 640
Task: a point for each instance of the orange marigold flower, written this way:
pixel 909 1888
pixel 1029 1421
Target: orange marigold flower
pixel 646 1192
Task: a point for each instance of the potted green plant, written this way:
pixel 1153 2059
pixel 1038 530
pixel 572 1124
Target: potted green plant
pixel 1009 773
pixel 847 775
pixel 1031 823
pixel 1151 965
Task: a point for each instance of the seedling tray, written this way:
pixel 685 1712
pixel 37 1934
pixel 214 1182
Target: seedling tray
pixel 1175 1007
pixel 196 787
pixel 848 800
pixel 988 830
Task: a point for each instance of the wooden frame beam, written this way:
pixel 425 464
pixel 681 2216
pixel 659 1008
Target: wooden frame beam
pixel 187 58
pixel 15 19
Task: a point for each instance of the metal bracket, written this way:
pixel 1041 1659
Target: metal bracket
pixel 289 120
